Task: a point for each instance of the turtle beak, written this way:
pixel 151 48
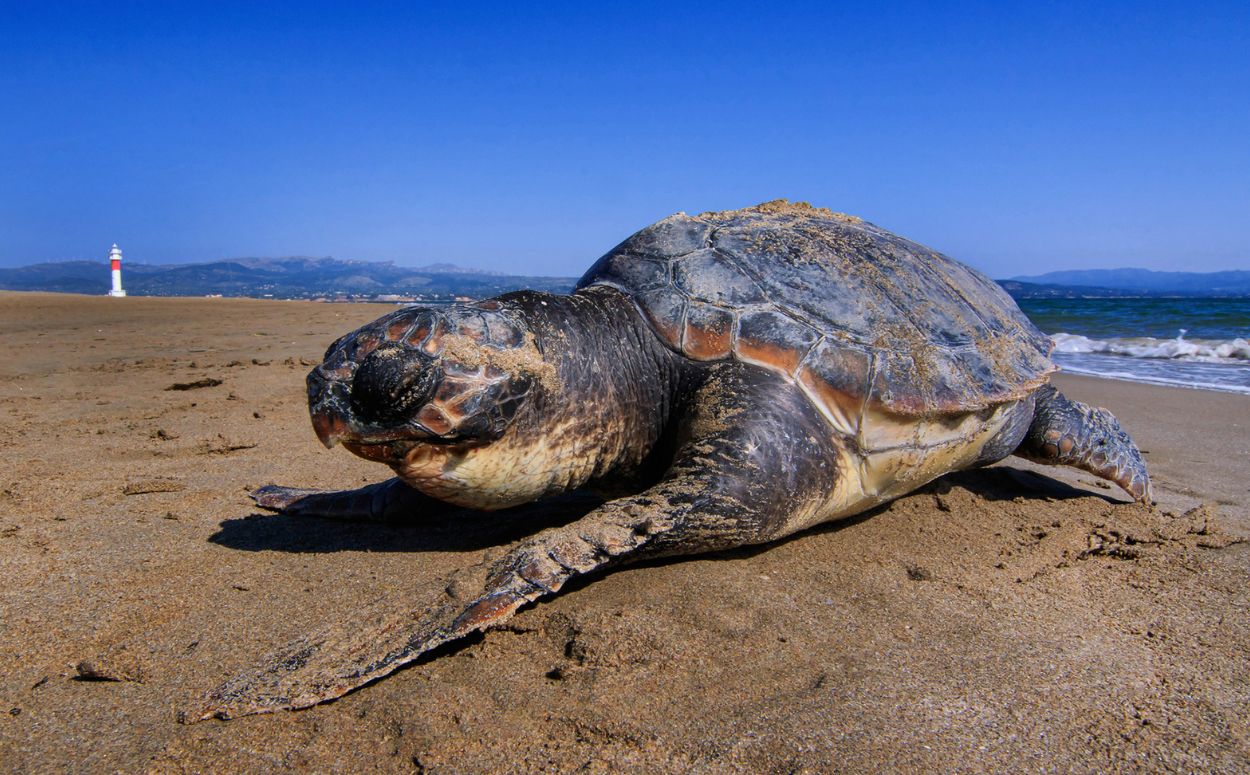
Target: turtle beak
pixel 328 408
pixel 330 429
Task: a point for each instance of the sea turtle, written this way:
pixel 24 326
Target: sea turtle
pixel 727 379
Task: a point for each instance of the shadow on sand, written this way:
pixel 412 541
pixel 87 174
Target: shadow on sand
pixel 469 530
pixel 457 531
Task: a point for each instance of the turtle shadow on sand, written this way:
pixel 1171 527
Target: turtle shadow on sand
pixel 470 530
pixel 461 530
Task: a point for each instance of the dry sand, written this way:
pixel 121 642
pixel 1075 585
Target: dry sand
pixel 1002 619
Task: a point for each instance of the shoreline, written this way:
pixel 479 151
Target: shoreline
pixel 1210 388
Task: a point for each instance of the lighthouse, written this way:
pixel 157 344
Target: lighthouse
pixel 115 264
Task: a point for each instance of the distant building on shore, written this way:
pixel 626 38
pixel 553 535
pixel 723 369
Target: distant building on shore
pixel 115 265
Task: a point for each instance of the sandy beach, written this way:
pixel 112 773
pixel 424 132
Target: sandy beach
pixel 1012 618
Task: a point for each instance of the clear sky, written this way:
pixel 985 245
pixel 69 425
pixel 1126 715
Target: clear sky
pixel 532 137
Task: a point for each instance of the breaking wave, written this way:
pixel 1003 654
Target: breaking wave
pixel 1234 351
pixel 1196 343
pixel 1210 364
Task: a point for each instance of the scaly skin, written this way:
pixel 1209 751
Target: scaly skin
pixel 1069 433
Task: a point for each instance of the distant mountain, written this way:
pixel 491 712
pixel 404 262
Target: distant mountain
pixel 292 277
pixel 1022 290
pixel 1148 282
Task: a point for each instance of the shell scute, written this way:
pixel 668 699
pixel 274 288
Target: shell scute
pixel 978 368
pixel 900 382
pixel 666 312
pixel 773 339
pixel 707 275
pixel 946 381
pixel 503 334
pixel 637 273
pixel 400 324
pixel 709 332
pixel 837 378
pixel 470 324
pixel 676 235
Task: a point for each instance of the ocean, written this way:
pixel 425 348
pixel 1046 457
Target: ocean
pixel 1199 343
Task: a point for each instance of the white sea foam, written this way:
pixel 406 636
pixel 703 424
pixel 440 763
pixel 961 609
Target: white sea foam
pixel 1196 363
pixel 1228 383
pixel 1234 351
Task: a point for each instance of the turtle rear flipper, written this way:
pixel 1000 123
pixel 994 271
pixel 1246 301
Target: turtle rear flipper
pixel 756 466
pixel 1070 433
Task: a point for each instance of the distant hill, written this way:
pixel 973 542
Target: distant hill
pixel 1023 290
pixel 296 277
pixel 1147 282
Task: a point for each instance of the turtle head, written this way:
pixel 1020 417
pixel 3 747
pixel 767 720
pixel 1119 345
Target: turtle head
pixel 499 402
pixel 417 380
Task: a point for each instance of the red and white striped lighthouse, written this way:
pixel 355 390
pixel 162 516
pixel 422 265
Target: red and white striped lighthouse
pixel 115 265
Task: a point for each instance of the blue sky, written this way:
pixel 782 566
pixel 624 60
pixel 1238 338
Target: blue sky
pixel 533 137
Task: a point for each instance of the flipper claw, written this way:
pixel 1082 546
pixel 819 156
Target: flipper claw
pixel 273 497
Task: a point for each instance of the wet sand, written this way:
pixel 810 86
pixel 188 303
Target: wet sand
pixel 1013 618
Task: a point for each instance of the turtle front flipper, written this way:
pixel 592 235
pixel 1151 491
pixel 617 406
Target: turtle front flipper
pixel 387 501
pixel 1070 433
pixel 757 464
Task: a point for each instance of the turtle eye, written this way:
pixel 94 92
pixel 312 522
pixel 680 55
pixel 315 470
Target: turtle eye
pixel 393 382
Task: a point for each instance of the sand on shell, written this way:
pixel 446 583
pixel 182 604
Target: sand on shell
pixel 1013 618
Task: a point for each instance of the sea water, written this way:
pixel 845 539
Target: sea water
pixel 1203 343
